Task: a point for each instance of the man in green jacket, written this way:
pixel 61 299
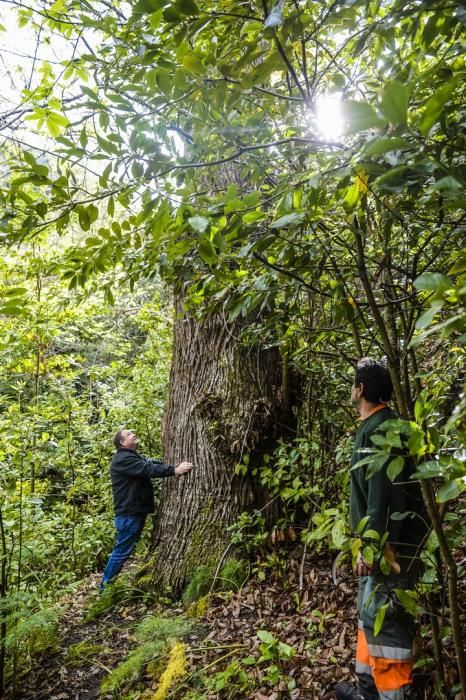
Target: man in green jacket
pixel 133 496
pixel 384 661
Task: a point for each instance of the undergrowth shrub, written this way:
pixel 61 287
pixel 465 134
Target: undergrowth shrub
pixel 35 633
pixel 233 574
pixel 154 636
pixel 199 584
pixel 29 631
pixel 231 577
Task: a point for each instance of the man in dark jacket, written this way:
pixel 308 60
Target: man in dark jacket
pixel 384 661
pixel 133 496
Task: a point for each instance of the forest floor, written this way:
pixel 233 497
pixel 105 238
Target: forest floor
pixel 303 604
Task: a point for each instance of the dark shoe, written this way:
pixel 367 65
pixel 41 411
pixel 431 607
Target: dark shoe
pixel 345 691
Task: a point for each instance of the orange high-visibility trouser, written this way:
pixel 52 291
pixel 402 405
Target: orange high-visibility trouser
pixel 390 676
pixel 384 663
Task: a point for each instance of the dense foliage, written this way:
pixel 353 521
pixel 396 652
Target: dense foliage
pixel 73 371
pixel 186 139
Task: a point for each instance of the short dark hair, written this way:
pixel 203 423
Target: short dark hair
pixel 117 439
pixel 375 378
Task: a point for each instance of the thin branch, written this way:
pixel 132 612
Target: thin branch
pixel 246 149
pixel 289 273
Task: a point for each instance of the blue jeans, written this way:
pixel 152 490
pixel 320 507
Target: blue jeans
pixel 128 531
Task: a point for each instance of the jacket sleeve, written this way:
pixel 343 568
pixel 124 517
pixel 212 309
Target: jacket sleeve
pixel 385 497
pixel 159 469
pixel 139 467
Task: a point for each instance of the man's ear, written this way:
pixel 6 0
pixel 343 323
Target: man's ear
pixel 361 388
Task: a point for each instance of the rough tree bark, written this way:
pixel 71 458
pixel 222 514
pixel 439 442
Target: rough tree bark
pixel 225 401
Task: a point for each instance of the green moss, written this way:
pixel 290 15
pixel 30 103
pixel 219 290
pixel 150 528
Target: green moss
pixel 81 653
pixel 204 548
pixel 199 607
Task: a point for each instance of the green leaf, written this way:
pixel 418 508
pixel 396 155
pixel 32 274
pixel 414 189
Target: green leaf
pixel 409 601
pixel 193 64
pixel 108 296
pixel 379 618
pixel 104 120
pixel 206 250
pixel 83 137
pixel 400 516
pixel 368 555
pixel 375 465
pixel 458 266
pixel 147 7
pixel 187 7
pixel 289 219
pixel 249 661
pixel 199 223
pixel 379 439
pixel 15 291
pixel 446 184
pixel 416 443
pixel 93 213
pixel 266 637
pixel 84 220
pixel 41 209
pixel 394 103
pixel 137 169
pixel 428 470
pixel 395 467
pixel 41 170
pixel 338 533
pixel 434 106
pixel 59 119
pixel 379 146
pixel 433 282
pixel 172 15
pixel 429 315
pixel 165 81
pixel 360 116
pixel 393 178
pixel 362 524
pixel 351 198
pixel 12 310
pixel 29 158
pixel 451 489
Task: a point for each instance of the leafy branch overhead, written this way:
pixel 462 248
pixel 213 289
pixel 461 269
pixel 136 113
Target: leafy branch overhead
pixel 292 174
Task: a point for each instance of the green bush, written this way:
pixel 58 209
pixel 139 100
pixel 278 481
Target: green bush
pixel 154 636
pixel 233 574
pixel 199 585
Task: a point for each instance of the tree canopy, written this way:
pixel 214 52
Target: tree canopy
pixel 293 170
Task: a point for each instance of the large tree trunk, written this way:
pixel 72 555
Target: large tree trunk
pixel 224 402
